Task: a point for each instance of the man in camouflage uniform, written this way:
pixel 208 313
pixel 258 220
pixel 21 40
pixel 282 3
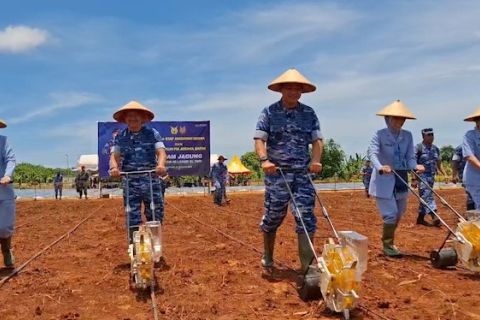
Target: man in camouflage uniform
pixel 218 173
pixel 283 134
pixel 82 181
pixel 458 164
pixel 139 148
pixel 427 155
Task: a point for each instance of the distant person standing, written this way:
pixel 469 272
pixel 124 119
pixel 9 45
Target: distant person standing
pixel 458 165
pixel 58 185
pixel 428 155
pixel 218 174
pixel 471 153
pixel 366 173
pixel 7 199
pixel 81 182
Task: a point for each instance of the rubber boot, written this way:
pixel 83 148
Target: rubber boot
pixel 268 246
pixel 305 252
pixel 8 258
pixel 389 249
pixel 435 221
pixel 421 220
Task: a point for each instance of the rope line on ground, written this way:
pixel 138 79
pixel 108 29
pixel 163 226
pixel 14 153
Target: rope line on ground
pixel 17 270
pixel 362 307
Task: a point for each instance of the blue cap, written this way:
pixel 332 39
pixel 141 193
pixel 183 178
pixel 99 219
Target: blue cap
pixel 427 131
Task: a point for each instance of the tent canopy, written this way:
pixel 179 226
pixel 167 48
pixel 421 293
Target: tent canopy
pixel 90 161
pixel 235 166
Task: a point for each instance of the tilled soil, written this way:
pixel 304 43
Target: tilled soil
pixel 212 264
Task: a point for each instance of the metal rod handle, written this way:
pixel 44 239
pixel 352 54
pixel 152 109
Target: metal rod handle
pixel 298 214
pixel 324 209
pixel 425 204
pixel 439 197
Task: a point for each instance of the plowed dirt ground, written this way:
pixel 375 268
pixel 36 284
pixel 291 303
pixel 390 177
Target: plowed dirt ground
pixel 212 268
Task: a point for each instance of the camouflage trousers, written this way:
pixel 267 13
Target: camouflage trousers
pixel 138 193
pixel 427 195
pixel 277 199
pixel 219 192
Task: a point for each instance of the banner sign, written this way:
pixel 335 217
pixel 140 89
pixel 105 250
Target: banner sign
pixel 187 144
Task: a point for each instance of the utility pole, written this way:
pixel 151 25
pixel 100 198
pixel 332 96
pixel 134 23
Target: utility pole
pixel 68 164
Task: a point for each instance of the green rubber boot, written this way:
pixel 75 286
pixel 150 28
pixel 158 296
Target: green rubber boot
pixel 305 252
pixel 8 258
pixel 389 249
pixel 268 246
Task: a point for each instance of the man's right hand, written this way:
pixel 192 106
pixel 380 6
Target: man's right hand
pixel 455 179
pixel 114 172
pixel 414 184
pixel 268 167
pixel 386 169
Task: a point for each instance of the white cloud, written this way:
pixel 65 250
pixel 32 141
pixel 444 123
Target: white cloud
pixel 61 102
pixel 16 39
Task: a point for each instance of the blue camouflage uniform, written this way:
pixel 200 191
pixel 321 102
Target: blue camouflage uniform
pixel 458 156
pixel 288 134
pixel 138 152
pixel 387 148
pixel 7 195
pixel 428 156
pixel 58 185
pixel 219 173
pixel 471 174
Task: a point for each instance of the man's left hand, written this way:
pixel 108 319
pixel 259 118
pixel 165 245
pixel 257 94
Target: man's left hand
pixel 315 167
pixel 160 170
pixel 419 168
pixel 5 180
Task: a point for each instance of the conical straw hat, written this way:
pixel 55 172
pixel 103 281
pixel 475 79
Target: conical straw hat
pixel 119 115
pixel 3 124
pixel 396 109
pixel 292 76
pixel 474 115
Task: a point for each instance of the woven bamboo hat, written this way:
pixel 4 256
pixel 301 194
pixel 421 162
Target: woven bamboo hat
pixel 3 124
pixel 292 76
pixel 119 115
pixel 473 116
pixel 396 109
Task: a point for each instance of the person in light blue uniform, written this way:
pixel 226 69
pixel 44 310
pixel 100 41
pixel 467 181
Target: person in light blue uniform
pixel 366 173
pixel 7 199
pixel 428 155
pixel 391 148
pixel 471 153
pixel 283 134
pixel 458 165
pixel 219 173
pixel 139 148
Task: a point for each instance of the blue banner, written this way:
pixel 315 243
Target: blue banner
pixel 187 144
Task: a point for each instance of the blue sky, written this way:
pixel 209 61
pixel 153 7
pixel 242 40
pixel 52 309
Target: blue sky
pixel 67 64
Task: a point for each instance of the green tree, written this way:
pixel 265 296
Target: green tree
pixel 333 159
pixel 352 167
pixel 28 173
pixel 252 162
pixel 446 152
